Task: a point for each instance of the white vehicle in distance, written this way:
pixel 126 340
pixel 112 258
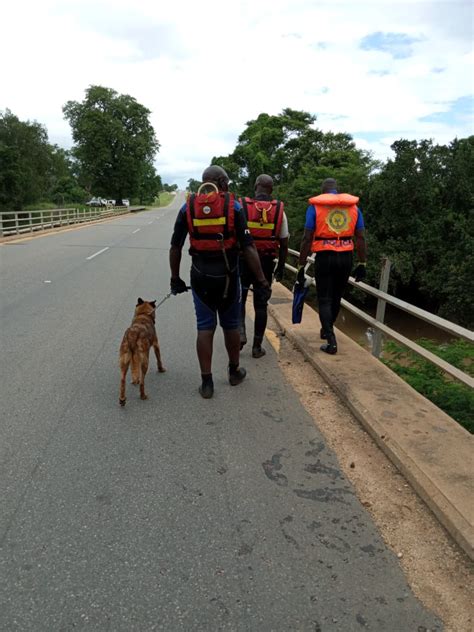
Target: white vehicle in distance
pixel 110 202
pixel 96 202
pixel 126 202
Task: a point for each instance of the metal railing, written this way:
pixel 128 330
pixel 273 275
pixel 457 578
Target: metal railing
pixel 381 328
pixel 19 222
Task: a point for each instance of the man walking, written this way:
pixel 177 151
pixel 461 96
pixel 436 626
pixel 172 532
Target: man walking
pixel 217 230
pixel 268 225
pixel 332 222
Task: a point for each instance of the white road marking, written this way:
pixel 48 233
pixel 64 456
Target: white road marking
pixel 135 231
pixel 150 222
pixel 97 253
pixel 46 281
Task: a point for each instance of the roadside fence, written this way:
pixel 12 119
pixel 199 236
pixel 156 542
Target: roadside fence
pixel 19 222
pixel 381 328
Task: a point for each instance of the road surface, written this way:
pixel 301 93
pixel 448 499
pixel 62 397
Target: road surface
pixel 176 513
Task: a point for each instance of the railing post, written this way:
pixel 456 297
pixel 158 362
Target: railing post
pixel 380 313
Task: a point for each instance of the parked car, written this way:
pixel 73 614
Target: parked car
pixel 95 201
pixel 126 202
pixel 110 202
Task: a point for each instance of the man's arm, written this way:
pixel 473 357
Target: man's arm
pixel 252 259
pixel 361 245
pixel 175 261
pixel 305 247
pixel 177 241
pixel 283 252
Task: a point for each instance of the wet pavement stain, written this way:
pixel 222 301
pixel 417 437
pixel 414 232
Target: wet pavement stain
pixel 271 416
pixel 334 542
pixel 323 495
pixel 271 468
pixel 245 549
pixel 320 446
pixel 286 535
pixel 361 621
pixel 319 468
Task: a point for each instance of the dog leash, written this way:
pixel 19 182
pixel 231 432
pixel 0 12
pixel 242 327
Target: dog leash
pixel 167 297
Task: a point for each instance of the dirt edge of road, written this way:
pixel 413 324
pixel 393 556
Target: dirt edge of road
pixel 438 571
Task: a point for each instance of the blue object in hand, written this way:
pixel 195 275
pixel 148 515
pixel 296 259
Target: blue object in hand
pixel 299 295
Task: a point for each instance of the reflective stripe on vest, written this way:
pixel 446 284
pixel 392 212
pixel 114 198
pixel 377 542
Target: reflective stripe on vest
pixel 211 221
pixel 218 221
pixel 264 219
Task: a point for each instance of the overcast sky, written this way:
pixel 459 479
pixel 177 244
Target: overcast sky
pixel 377 70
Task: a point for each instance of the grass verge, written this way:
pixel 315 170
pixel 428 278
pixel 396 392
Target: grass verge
pixel 164 198
pixel 457 400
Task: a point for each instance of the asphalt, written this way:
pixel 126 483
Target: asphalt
pixel 176 513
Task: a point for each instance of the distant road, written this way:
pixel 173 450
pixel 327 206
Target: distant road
pixel 175 513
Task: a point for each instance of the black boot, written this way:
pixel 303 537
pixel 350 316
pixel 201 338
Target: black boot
pixel 331 345
pixel 236 374
pixel 206 389
pixel 257 351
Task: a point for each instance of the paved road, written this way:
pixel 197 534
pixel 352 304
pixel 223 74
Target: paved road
pixel 175 513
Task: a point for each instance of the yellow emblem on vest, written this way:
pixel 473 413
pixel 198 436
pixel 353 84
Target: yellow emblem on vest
pixel 338 220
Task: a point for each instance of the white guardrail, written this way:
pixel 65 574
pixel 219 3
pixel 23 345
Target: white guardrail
pixel 380 328
pixel 19 222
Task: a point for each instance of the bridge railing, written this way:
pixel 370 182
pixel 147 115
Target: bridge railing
pixel 19 222
pixel 381 328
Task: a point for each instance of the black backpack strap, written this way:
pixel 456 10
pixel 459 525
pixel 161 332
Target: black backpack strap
pixel 245 208
pixel 226 215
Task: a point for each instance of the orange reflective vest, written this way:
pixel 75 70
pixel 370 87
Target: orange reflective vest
pixel 211 221
pixel 336 219
pixel 264 220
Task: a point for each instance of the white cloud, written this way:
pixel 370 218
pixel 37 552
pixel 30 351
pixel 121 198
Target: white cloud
pixel 204 69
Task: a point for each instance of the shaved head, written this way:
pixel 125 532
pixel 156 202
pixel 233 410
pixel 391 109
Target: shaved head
pixel 217 175
pixel 329 185
pixel 264 184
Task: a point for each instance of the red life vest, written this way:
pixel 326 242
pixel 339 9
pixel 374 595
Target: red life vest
pixel 336 219
pixel 264 220
pixel 211 221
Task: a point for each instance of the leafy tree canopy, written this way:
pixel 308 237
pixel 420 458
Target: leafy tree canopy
pixel 31 169
pixel 298 156
pixel 420 213
pixel 170 187
pixel 115 142
pixel 193 185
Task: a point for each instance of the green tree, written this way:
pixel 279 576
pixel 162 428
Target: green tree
pixel 298 156
pixel 170 187
pixel 150 185
pixel 114 142
pixel 421 214
pixel 193 185
pixel 63 186
pixel 25 162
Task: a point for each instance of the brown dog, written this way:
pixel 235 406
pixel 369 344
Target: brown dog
pixel 135 347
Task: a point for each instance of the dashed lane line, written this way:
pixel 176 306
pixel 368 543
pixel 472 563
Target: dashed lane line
pixel 135 231
pixel 97 253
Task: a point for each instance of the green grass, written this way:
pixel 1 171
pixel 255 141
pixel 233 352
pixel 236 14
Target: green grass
pixel 47 206
pixel 455 398
pixel 164 198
